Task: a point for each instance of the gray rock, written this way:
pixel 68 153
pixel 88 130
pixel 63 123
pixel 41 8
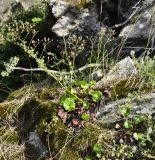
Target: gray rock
pixel 122 70
pixel 35 141
pixel 143 28
pixel 84 21
pixel 58 8
pixel 110 114
pixel 64 25
pixel 88 20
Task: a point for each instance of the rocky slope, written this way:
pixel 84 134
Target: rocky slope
pixel 31 124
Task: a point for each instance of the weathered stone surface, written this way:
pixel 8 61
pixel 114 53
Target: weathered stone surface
pixel 58 8
pixel 110 113
pixel 96 75
pixel 71 20
pixel 136 35
pixel 64 25
pixel 35 141
pixel 122 70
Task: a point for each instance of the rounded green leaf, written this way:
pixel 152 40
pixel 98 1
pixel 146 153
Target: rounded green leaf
pixel 97 148
pixel 73 91
pixel 96 96
pixel 84 84
pixel 98 155
pixel 36 20
pixel 128 124
pixel 85 116
pixel 70 92
pixel 86 105
pixel 62 99
pixel 92 83
pixel 138 136
pixel 76 82
pixel 125 111
pixel 138 119
pixel 69 104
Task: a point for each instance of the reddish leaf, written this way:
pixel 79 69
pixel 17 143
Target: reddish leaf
pixel 75 121
pixel 63 115
pixel 69 125
pixel 80 110
pixel 93 116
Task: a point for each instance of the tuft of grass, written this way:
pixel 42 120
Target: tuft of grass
pixel 9 144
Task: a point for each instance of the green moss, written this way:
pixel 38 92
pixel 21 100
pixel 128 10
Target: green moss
pixel 79 4
pixel 69 144
pixel 39 111
pixel 50 93
pixel 70 154
pixel 124 87
pixel 16 100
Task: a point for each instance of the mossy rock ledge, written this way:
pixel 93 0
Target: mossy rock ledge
pixel 32 110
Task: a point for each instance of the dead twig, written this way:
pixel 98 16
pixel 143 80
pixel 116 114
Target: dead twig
pixel 58 72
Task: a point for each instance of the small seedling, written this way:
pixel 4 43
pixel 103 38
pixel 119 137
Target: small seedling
pixel 128 124
pixel 85 116
pixel 84 84
pixel 96 96
pixel 79 102
pixel 86 105
pixel 125 111
pixel 138 119
pixel 97 148
pixel 138 136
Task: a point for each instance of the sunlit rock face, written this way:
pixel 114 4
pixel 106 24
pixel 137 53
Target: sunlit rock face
pixel 89 20
pixel 71 20
pixel 58 8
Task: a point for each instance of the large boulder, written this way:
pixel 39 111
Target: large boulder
pixel 123 69
pixel 142 105
pixel 71 20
